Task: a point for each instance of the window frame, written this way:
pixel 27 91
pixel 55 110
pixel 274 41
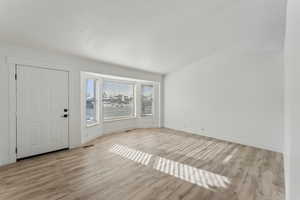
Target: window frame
pixel 120 81
pixel 89 123
pixel 153 99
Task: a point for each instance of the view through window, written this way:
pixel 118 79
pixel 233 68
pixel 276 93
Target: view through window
pixel 118 100
pixel 91 101
pixel 147 100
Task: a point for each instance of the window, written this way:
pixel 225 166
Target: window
pixel 118 100
pixel 91 105
pixel 147 100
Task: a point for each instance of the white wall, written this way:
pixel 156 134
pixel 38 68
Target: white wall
pixel 292 101
pixel 4 148
pixel 235 95
pixel 56 60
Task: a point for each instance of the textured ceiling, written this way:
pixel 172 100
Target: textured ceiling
pixel 157 35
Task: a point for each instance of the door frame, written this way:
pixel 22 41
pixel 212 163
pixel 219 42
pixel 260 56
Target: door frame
pixel 12 97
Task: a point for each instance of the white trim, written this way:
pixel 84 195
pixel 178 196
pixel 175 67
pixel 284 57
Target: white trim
pixel 12 63
pixel 85 77
pixel 118 119
pixel 123 78
pixel 91 124
pixel 35 63
pixel 116 80
pixel 147 115
pixel 12 114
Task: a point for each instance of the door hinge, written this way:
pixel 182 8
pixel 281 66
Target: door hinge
pixel 15 76
pixel 16 150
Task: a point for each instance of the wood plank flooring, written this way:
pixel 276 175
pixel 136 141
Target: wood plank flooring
pixel 148 164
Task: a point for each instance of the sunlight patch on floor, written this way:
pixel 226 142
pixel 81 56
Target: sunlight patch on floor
pixel 131 154
pixel 191 174
pixel 181 171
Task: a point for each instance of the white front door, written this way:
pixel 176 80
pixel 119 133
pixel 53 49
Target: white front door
pixel 42 110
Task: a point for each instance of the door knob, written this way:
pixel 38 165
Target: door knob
pixel 65 116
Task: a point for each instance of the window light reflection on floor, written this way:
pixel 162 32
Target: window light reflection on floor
pixel 191 174
pixel 131 154
pixel 181 171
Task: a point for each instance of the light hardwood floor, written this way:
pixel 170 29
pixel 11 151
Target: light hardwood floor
pixel 148 164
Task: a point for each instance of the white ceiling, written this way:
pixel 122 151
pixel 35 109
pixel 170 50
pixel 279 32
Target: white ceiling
pixel 154 35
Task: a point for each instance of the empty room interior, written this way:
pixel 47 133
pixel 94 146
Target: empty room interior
pixel 150 100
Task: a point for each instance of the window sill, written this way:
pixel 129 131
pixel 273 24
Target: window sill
pixel 149 115
pixel 118 119
pixel 92 124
